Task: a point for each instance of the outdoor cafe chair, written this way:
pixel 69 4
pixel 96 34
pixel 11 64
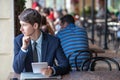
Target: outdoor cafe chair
pixel 75 59
pixel 94 60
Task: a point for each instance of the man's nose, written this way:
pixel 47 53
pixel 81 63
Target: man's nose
pixel 21 28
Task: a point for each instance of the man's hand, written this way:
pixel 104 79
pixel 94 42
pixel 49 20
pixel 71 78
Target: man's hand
pixel 25 41
pixel 47 71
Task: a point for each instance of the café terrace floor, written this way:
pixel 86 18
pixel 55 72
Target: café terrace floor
pixel 101 66
pixel 110 52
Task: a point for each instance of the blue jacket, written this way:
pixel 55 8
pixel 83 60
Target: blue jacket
pixel 51 50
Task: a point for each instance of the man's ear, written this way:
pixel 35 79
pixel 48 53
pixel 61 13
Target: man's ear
pixel 35 25
pixel 65 24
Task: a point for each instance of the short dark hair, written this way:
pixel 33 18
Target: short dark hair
pixel 46 11
pixel 67 18
pixel 30 16
pixel 44 20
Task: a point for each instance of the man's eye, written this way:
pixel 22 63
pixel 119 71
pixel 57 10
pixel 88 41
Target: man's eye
pixel 23 24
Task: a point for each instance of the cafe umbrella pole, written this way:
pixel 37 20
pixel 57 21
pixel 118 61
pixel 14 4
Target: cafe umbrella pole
pixel 106 27
pixel 92 17
pixel 83 12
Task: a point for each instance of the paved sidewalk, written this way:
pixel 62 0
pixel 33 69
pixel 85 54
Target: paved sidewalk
pixel 108 53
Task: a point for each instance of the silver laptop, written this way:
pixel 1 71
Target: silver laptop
pixel 37 76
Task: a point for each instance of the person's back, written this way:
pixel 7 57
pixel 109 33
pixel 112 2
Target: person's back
pixel 101 12
pixel 72 39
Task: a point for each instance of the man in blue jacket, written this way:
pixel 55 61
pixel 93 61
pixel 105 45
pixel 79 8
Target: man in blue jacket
pixel 48 47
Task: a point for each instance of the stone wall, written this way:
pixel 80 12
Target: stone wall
pixel 7 36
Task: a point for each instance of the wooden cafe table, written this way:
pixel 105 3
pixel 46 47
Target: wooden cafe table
pixel 96 49
pixel 93 75
pixel 85 75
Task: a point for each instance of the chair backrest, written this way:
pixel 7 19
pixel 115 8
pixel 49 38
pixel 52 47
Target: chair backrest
pixel 77 58
pixel 93 61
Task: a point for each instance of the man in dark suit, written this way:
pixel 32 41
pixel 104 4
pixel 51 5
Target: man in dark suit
pixel 48 47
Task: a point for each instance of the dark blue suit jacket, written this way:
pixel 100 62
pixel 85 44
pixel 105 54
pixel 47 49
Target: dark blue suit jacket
pixel 51 50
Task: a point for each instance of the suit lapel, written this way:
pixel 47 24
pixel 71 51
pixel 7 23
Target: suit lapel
pixel 44 47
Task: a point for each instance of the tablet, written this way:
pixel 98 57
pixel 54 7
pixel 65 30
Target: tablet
pixel 37 66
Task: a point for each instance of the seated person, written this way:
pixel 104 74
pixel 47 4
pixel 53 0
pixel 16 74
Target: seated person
pixel 73 38
pixel 46 26
pixel 101 12
pixel 46 13
pixel 48 47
